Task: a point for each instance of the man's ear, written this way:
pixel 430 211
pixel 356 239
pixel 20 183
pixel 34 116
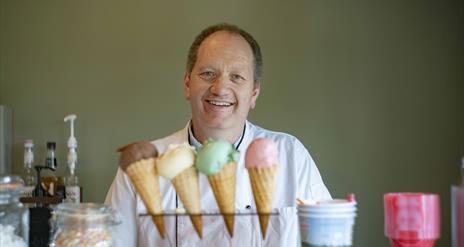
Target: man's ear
pixel 187 85
pixel 255 94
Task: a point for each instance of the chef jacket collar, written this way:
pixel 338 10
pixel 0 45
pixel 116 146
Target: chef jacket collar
pixel 195 143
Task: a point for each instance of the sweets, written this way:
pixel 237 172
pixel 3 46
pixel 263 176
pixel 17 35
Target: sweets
pixel 9 238
pixel 86 237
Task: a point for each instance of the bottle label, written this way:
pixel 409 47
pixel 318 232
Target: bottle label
pixel 50 162
pixel 73 194
pixel 60 191
pixel 27 191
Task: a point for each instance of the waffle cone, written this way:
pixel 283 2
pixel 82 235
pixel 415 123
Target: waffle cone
pixel 263 185
pixel 145 179
pixel 223 185
pixel 187 187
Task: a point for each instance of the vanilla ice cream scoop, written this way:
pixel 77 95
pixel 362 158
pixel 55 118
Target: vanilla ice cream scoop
pixel 175 160
pixel 176 164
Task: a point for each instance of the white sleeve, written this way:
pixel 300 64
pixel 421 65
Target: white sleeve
pixel 121 196
pixel 310 184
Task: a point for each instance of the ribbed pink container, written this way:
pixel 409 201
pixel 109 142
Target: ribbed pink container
pixel 412 219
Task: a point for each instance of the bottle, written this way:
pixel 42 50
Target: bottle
pixel 457 211
pixel 73 190
pixel 50 159
pixel 29 177
pixel 49 179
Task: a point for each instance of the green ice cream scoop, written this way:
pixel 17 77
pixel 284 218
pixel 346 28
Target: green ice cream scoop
pixel 213 155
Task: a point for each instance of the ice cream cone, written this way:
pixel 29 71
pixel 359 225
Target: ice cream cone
pixel 263 184
pixel 223 185
pixel 261 160
pixel 186 185
pixel 145 179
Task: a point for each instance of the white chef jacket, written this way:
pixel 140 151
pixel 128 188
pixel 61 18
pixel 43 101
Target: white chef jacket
pixel 298 177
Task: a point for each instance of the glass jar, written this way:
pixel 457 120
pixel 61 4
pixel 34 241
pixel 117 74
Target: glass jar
pixel 82 224
pixel 14 216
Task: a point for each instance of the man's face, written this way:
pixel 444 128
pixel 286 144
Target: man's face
pixel 221 87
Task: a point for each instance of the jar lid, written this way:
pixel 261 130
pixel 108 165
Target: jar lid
pixel 11 182
pixel 11 186
pixel 84 213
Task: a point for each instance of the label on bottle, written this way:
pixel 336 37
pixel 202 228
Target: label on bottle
pixel 51 162
pixel 27 191
pixel 60 191
pixel 73 194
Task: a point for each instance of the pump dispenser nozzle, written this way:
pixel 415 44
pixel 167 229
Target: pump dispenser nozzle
pixel 72 143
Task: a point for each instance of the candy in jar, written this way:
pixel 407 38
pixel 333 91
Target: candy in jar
pixel 82 224
pixel 14 216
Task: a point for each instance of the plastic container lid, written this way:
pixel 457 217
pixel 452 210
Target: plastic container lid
pixel 11 182
pixel 325 216
pixel 327 208
pixel 11 186
pixel 85 214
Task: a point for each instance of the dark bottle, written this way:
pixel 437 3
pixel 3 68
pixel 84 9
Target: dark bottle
pixel 50 160
pixel 55 184
pixel 49 178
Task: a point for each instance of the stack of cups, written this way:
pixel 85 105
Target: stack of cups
pixel 412 219
pixel 327 223
pixel 457 216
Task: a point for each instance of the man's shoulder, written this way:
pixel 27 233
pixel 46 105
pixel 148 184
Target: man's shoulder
pixel 281 138
pixel 174 138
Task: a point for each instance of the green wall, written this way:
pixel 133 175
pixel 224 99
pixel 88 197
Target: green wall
pixel 374 89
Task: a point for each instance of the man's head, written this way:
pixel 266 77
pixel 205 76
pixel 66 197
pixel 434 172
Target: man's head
pixel 257 57
pixel 222 77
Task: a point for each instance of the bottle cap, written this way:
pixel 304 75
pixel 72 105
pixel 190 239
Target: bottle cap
pixel 51 145
pixel 29 143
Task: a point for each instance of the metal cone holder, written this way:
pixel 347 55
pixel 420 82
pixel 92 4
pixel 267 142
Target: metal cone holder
pixel 181 213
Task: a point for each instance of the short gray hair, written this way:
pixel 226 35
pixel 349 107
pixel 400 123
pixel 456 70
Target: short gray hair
pixel 257 57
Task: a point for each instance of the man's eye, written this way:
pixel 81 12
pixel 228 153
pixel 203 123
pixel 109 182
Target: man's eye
pixel 236 77
pixel 207 75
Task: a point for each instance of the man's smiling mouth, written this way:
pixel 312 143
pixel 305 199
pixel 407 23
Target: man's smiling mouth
pixel 219 103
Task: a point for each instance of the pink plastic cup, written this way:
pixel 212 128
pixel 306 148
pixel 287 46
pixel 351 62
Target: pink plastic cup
pixel 412 219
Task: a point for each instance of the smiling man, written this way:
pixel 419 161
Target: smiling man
pixel 222 84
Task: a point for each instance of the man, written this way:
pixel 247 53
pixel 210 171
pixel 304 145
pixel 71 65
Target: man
pixel 222 83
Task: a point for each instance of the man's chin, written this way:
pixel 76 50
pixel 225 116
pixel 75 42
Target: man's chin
pixel 220 125
pixel 220 122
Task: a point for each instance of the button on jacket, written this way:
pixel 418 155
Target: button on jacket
pixel 297 177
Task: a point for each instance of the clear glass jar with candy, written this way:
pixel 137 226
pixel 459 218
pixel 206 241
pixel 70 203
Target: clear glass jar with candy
pixel 82 224
pixel 14 216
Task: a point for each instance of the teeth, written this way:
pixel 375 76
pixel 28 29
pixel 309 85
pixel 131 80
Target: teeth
pixel 219 103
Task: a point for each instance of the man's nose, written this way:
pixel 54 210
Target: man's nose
pixel 220 85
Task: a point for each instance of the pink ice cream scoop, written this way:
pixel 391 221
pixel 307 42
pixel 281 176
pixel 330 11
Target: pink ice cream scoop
pixel 261 153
